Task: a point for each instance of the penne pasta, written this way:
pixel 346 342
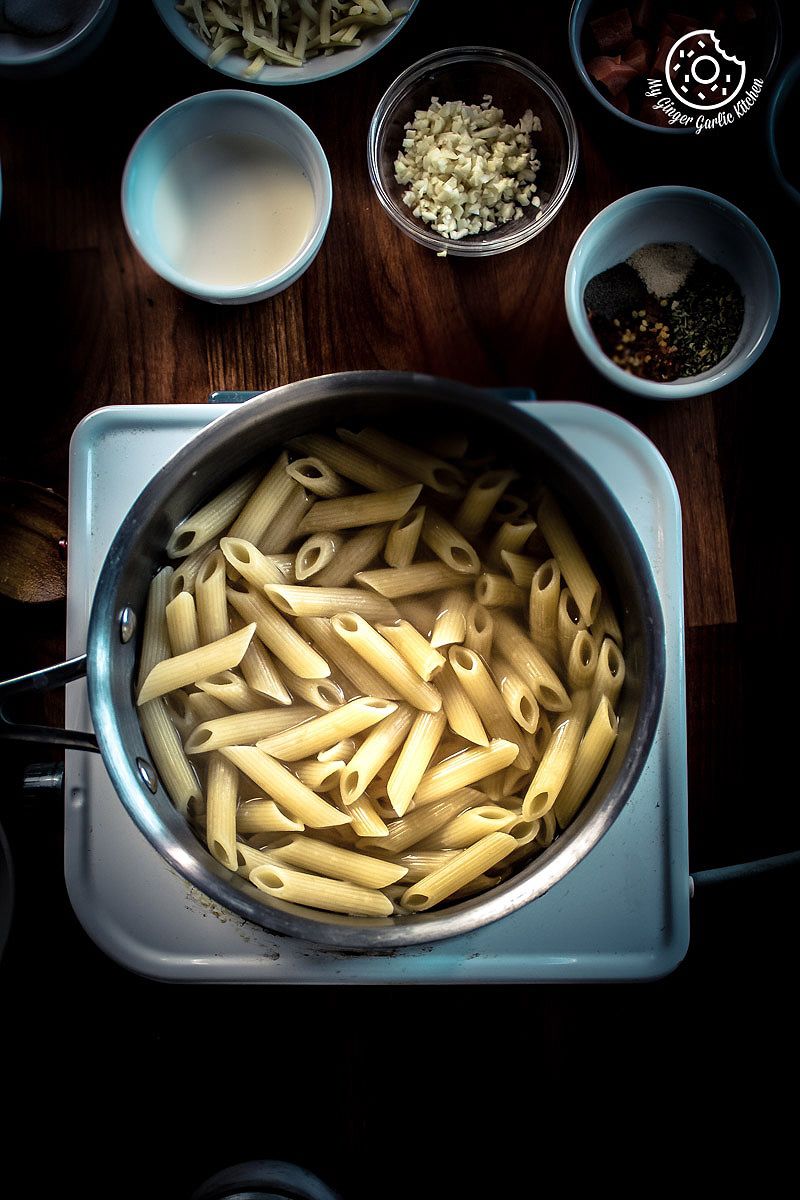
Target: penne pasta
pixel 354 554
pixel 241 729
pixel 529 663
pixel 415 649
pixel 462 716
pixel 319 776
pixel 211 600
pixel 367 821
pixel 350 462
pixel 278 635
pixel 221 792
pixel 461 870
pixel 336 862
pixel 280 785
pixel 388 662
pixel 316 553
pixel 512 535
pixel 479 630
pixel 231 689
pixel 264 816
pixel 367 508
pixel 313 891
pixel 592 753
pixel 573 564
pixel 438 474
pixel 463 769
pixel 497 591
pixel 352 665
pixel 373 753
pixel 411 581
pixel 344 749
pixel 582 661
pixel 520 567
pixel 183 577
pixel 169 757
pixel 155 638
pixel 448 544
pixel 323 730
pixel 606 624
pixel 569 622
pixel 310 601
pixel 316 476
pixel 472 825
pixel 543 610
pixel 250 563
pixel 198 664
pixel 480 500
pixel 264 503
pixel 451 620
pixel 557 759
pixel 417 825
pixel 413 760
pixel 209 521
pixel 182 628
pixel 403 537
pixel 609 674
pixel 473 675
pixel 259 670
pixel 283 529
pixel 322 693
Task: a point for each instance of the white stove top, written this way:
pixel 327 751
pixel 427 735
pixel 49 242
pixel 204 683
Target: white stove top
pixel 622 913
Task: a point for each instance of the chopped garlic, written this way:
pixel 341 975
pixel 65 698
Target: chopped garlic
pixel 466 168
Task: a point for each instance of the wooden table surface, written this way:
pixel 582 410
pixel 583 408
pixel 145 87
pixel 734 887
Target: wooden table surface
pixel 88 324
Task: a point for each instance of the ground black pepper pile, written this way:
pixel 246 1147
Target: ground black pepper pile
pixel 668 336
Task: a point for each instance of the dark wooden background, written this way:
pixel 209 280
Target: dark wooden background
pixel 364 1085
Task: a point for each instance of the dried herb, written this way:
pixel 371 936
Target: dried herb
pixel 706 317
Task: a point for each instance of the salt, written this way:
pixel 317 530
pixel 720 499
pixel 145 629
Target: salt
pixel 663 267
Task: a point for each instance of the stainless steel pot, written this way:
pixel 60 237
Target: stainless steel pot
pixel 206 465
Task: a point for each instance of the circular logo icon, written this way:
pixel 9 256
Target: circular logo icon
pixel 699 72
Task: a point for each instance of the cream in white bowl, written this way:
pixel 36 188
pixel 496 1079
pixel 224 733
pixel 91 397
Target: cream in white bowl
pixel 227 195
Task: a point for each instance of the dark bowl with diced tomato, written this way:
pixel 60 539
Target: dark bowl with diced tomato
pixel 621 53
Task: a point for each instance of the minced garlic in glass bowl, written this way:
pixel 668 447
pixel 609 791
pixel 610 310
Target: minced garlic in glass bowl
pixel 467 170
pixel 452 168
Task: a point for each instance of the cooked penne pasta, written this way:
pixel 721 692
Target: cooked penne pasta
pixel 480 500
pixel 180 712
pixel 418 824
pixel 311 601
pixel 448 544
pixel 242 729
pixel 508 508
pixel 403 538
pixel 284 529
pixel 264 816
pixel 606 624
pixel 198 664
pixel 352 665
pixel 231 689
pixel 250 563
pixel 278 635
pixel 324 729
pixel 211 600
pixel 497 591
pixel 479 630
pixel 547 830
pixel 336 862
pixel 450 626
pixel 354 554
pixel 210 520
pixel 592 753
pixel 155 638
pixel 350 462
pixel 185 573
pixel 319 776
pixel 415 649
pixel 582 661
pixel 463 769
pixel 413 759
pixel 543 610
pixel 322 693
pixel 317 477
pixel 388 662
pixel 573 564
pixel 529 663
pixel 169 757
pixel 609 674
pixel 182 628
pixel 439 475
pixel 419 611
pixel 411 581
pixel 569 622
pixel 259 670
pixel 264 503
pixel 344 749
pixel 470 826
pixel 374 752
pixel 367 821
pixel 513 535
pixel 473 675
pixel 221 792
pixel 557 759
pixel 280 785
pixel 316 553
pixel 205 707
pixel 461 870
pixel 521 568
pixel 462 716
pixel 312 891
pixel 367 508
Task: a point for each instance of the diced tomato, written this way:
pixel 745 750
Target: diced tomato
pixel 613 31
pixel 636 55
pixel 611 72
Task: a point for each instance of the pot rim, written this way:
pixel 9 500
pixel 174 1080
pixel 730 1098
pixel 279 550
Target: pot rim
pixel 352 933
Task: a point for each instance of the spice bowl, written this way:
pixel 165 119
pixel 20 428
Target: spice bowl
pixel 720 233
pixel 470 74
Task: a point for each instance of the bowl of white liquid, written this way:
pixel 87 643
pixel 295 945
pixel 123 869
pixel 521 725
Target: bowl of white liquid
pixel 227 195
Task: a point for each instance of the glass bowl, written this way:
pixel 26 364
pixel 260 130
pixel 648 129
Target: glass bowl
pixel 469 73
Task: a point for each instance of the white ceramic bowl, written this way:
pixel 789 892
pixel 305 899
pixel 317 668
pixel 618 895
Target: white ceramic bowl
pixel 235 64
pixel 201 116
pixel 722 233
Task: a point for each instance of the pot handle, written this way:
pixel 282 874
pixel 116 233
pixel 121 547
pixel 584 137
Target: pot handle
pixel 44 681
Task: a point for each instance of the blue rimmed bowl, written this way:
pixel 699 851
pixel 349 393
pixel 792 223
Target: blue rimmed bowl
pixel 720 232
pixel 784 107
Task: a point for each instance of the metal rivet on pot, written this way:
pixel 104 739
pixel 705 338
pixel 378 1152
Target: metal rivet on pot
pixel 147 773
pixel 127 624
